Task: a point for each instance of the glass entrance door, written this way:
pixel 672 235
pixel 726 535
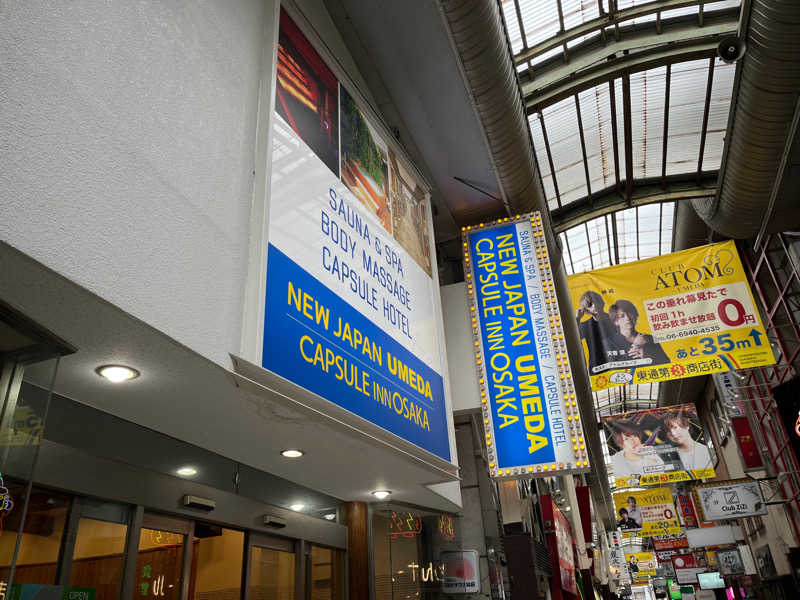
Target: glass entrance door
pixel 159 564
pixel 271 574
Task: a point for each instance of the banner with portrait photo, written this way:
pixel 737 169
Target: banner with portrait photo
pixel 641 564
pixel 646 513
pixel 657 446
pixel 680 315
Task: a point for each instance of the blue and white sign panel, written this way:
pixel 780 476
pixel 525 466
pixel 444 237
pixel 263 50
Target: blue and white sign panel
pixel 528 399
pixel 349 309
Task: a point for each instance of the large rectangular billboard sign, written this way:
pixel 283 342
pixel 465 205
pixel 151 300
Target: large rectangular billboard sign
pixel 646 513
pixel 530 412
pixel 684 314
pixel 657 446
pixel 350 297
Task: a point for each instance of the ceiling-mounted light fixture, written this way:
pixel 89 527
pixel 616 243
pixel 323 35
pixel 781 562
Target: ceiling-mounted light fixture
pixel 381 494
pixel 117 373
pixel 186 471
pixel 292 453
pixel 297 507
pixel 330 516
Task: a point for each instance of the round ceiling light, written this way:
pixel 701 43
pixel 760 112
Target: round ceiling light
pixel 330 516
pixel 297 507
pixel 117 373
pixel 187 471
pixel 292 453
pixel 381 494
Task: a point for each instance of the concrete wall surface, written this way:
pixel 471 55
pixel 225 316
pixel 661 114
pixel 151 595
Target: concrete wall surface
pixel 126 160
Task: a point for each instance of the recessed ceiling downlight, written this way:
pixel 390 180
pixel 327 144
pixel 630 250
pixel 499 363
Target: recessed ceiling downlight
pixel 117 373
pixel 330 516
pixel 381 494
pixel 186 471
pixel 297 507
pixel 292 453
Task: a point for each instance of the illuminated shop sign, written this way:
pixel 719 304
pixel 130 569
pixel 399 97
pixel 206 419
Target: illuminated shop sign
pixel 530 412
pixel 350 309
pixel 680 315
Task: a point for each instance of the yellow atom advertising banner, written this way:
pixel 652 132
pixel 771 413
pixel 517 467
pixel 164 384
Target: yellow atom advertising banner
pixel 646 513
pixel 680 315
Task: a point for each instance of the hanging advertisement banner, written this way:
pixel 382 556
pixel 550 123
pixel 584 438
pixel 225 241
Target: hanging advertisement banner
pixel 686 568
pixel 687 513
pixel 646 514
pixel 730 562
pixel 350 300
pixel 670 542
pixel 728 390
pixel 530 413
pixel 657 446
pixel 641 564
pixel 751 457
pixel 787 398
pixel 566 559
pixel 684 314
pixel 733 499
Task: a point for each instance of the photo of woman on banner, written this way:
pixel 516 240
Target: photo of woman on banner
pixel 624 315
pixel 634 456
pixel 694 455
pixel 604 342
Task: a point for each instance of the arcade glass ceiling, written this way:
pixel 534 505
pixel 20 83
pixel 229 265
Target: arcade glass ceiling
pixel 627 106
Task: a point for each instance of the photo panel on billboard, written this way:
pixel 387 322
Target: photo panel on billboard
pixel 684 314
pixel 365 160
pixel 656 446
pixel 647 513
pixel 307 93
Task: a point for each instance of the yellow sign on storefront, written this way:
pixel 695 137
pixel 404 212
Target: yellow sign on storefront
pixel 646 513
pixel 641 564
pixel 680 315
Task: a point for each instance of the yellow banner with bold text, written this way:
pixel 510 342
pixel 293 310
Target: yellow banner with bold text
pixel 646 513
pixel 641 564
pixel 680 315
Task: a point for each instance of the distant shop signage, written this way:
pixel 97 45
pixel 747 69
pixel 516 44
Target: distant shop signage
pixel 670 542
pixel 684 314
pixel 657 446
pixel 641 564
pixel 530 411
pixel 686 568
pixel 751 457
pixel 350 297
pixel 461 572
pixel 732 499
pixel 730 562
pixel 646 513
pixel 687 512
pixel 566 555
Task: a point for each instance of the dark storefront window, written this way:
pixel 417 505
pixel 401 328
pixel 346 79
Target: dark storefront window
pixel 271 574
pixel 326 574
pixel 40 543
pixel 159 564
pixel 99 556
pixel 408 551
pixel 217 561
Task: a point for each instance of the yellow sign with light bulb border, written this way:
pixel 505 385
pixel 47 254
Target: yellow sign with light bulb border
pixel 530 413
pixel 684 314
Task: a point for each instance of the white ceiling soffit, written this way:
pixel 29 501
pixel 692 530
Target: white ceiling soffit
pixel 183 395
